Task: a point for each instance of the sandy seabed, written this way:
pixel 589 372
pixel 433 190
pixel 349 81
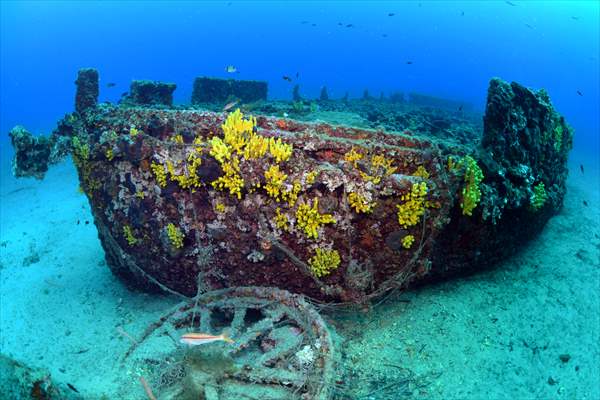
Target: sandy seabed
pixel 528 329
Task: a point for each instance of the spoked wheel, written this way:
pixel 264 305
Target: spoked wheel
pixel 282 348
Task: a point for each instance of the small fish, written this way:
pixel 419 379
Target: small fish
pixel 313 24
pixel 529 26
pixel 73 388
pixel 462 13
pixel 510 3
pixel 111 84
pixel 297 75
pixel 585 203
pixel 460 107
pixel 391 14
pixel 340 24
pixel 575 18
pixel 349 26
pixel 286 78
pixel 196 339
pixel 231 69
pixel 124 94
pixel 304 22
pixel 581 168
pixel 285 115
pixel 230 105
pixel 384 35
pixel 579 93
pixel 409 62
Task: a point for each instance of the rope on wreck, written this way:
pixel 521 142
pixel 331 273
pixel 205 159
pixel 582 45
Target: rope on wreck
pixel 160 285
pixel 289 253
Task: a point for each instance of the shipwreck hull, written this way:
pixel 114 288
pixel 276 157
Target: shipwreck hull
pixel 336 213
pixel 241 244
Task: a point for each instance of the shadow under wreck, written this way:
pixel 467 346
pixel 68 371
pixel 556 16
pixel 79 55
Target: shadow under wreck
pixel 188 201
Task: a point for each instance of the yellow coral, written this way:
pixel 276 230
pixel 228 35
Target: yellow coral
pixel 187 179
pixel 370 178
pixel 129 236
pixel 310 220
pixel 353 157
pixel 407 241
pixel 196 150
pixel 379 161
pixel 558 136
pixel 380 167
pixel 175 235
pixel 281 151
pixel 471 193
pixel 324 262
pixel 360 203
pixel 451 163
pixel 80 150
pixel 236 129
pixel 310 177
pixel 181 179
pixel 291 195
pixel 178 139
pixel 159 174
pixel 219 150
pixel 241 140
pixel 413 207
pixel 231 180
pixel 170 167
pixel 256 147
pixel 275 179
pixel 220 207
pixel 133 131
pixel 281 220
pixel 421 172
pixel 240 136
pixel 195 158
pixel 81 158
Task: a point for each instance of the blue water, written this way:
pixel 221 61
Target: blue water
pixel 455 47
pixel 441 48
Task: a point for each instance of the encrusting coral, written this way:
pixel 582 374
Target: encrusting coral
pixel 324 262
pixel 359 203
pixel 353 157
pixel 219 150
pixel 129 235
pixel 471 194
pixel 281 220
pixel 175 235
pixel 231 179
pixel 310 220
pixel 539 196
pixel 275 179
pixel 240 141
pixel 159 173
pixel 413 207
pixel 407 241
